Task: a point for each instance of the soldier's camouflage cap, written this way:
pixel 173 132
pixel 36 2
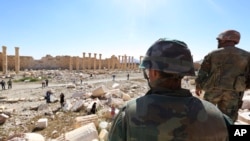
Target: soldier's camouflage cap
pixel 170 56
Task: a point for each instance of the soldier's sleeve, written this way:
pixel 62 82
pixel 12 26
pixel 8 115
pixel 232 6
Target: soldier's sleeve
pixel 203 71
pixel 118 128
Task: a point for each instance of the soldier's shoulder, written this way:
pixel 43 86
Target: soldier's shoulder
pixel 210 107
pixel 242 51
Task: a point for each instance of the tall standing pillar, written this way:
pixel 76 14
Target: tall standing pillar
pixel 70 63
pixel 129 57
pixel 119 63
pixel 89 61
pixel 83 61
pixel 94 61
pixel 17 60
pixel 4 58
pixel 77 63
pixel 100 60
pixel 125 62
pixel 132 63
pixel 122 65
pixel 135 65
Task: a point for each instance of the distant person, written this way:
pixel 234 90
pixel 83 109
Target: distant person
pixel 47 97
pixel 128 76
pixel 93 109
pixel 113 77
pixel 112 112
pixel 9 84
pixel 81 81
pixel 47 82
pixel 224 74
pixel 167 112
pixel 43 84
pixel 3 84
pixel 62 99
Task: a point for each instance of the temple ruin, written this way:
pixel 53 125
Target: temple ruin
pixel 18 63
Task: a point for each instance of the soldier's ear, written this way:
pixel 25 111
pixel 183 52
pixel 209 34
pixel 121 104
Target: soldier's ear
pixel 154 73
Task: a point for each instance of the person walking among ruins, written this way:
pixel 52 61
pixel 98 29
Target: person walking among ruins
pixel 47 82
pixel 9 84
pixel 113 76
pixel 81 81
pixel 112 112
pixel 43 84
pixel 3 84
pixel 62 99
pixel 93 109
pixel 47 97
pixel 128 76
pixel 167 111
pixel 224 74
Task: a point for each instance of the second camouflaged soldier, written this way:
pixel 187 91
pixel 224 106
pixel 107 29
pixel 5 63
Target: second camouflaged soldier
pixel 168 112
pixel 225 74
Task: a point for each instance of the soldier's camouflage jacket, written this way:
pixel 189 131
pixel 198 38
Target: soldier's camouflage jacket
pixel 169 115
pixel 225 68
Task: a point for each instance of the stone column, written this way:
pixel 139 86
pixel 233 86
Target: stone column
pixel 119 63
pixel 89 61
pixel 122 63
pixel 109 63
pixel 83 61
pixel 70 63
pixel 129 62
pixel 135 66
pixel 100 59
pixel 94 61
pixel 77 63
pixel 125 63
pixel 5 61
pixel 17 60
pixel 132 63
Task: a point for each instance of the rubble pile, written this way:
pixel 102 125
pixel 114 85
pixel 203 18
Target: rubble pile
pixel 92 100
pixel 24 112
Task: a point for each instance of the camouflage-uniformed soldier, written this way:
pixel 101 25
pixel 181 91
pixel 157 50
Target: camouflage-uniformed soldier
pixel 168 112
pixel 225 74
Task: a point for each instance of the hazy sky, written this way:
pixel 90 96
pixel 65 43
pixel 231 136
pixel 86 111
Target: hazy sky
pixel 118 27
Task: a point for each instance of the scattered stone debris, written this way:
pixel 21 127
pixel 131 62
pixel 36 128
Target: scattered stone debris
pixel 25 114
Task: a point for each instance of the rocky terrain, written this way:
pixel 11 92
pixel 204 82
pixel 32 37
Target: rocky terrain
pixel 23 105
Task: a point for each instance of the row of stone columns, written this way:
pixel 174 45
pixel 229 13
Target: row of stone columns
pixel 121 63
pixel 5 60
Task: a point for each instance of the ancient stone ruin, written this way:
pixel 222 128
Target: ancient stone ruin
pixel 17 62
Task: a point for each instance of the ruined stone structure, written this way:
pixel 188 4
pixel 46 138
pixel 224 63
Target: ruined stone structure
pixel 17 62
